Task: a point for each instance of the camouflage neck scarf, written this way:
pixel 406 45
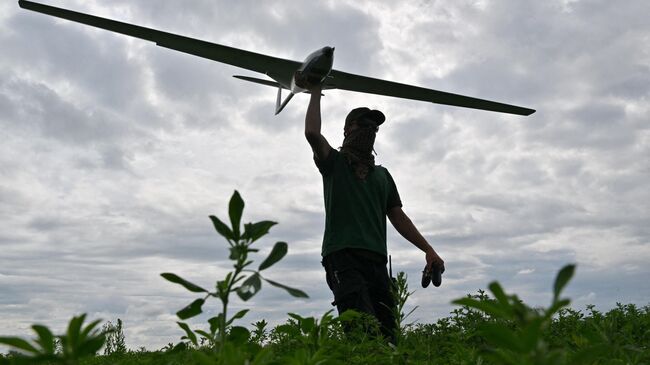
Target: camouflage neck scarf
pixel 357 148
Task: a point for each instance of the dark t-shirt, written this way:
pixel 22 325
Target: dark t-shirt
pixel 355 210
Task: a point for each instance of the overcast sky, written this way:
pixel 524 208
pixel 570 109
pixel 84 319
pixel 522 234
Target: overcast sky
pixel 114 153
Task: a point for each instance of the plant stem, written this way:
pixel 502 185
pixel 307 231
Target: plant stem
pixel 238 269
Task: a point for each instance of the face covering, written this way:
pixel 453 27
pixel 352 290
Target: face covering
pixel 357 148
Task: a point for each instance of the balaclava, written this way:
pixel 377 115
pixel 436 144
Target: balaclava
pixel 358 144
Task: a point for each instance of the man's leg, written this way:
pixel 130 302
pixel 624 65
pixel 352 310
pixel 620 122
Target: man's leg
pixel 346 280
pixel 383 302
pixel 345 277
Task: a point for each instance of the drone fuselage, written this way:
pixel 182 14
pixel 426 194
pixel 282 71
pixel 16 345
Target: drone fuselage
pixel 314 69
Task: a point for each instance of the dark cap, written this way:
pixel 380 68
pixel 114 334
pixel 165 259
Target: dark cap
pixel 365 113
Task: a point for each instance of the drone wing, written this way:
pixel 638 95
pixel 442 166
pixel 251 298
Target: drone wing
pixel 279 69
pixel 364 84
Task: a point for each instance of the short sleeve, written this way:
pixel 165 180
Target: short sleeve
pixel 393 199
pixel 325 167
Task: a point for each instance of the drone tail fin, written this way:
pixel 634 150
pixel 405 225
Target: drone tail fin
pixel 280 105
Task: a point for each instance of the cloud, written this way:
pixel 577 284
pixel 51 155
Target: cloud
pixel 115 152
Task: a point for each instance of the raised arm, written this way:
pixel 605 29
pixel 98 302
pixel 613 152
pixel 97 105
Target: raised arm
pixel 318 143
pixel 405 227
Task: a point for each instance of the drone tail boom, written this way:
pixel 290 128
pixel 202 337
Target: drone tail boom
pixel 260 81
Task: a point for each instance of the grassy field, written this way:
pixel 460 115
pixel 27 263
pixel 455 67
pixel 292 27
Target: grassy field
pixel 468 336
pixel 490 327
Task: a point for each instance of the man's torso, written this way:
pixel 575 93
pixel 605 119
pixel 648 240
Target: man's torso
pixel 355 209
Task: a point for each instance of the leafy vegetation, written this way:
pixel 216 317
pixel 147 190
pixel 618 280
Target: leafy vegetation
pixel 235 281
pixel 115 342
pixel 76 343
pixel 485 329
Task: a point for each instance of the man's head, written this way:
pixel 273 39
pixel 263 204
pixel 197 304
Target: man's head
pixel 361 126
pixel 363 118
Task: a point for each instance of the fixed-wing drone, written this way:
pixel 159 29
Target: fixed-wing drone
pixel 286 74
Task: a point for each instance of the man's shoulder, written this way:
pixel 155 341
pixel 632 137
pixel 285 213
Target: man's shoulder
pixel 383 169
pixel 328 164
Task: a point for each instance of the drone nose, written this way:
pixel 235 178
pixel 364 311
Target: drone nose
pixel 328 51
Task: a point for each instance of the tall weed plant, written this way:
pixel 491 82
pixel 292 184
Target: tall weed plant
pixel 242 280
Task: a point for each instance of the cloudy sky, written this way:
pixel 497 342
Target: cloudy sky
pixel 114 153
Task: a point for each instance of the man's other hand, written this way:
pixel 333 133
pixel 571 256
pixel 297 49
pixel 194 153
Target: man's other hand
pixel 433 259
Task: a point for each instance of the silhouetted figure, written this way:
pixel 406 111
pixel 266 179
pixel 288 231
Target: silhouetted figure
pixel 358 197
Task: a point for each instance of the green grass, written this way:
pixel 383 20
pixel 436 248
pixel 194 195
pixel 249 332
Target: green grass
pixel 484 329
pixel 618 336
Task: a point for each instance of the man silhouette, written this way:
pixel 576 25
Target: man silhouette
pixel 358 197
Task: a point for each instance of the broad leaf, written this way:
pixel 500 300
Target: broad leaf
pixel 90 346
pixel 249 287
pixel 235 210
pixel 204 334
pixel 500 295
pixel 557 305
pixel 178 280
pixel 18 343
pixel 222 228
pixel 193 309
pixel 74 329
pixel 532 334
pixel 236 251
pixel 238 335
pixel 215 322
pixel 562 279
pixel 505 357
pixel 294 292
pixel 86 331
pixel 238 315
pixel 277 253
pixel 307 324
pixel 203 359
pixel 501 336
pixel 222 290
pixel 45 338
pixel 295 316
pixel 256 230
pixel 264 357
pixel 489 308
pixel 190 335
